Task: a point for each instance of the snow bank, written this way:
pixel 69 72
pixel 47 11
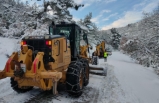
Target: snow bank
pixel 7 46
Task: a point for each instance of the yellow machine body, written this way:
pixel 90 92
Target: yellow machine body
pixel 100 48
pixel 36 74
pixel 46 61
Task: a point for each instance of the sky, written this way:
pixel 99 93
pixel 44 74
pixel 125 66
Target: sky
pixel 107 14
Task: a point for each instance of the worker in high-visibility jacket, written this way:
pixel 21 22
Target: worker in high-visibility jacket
pixel 105 56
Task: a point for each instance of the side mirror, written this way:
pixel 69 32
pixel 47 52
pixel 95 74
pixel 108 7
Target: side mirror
pixel 91 47
pixel 84 36
pixel 50 30
pixel 53 23
pixel 80 31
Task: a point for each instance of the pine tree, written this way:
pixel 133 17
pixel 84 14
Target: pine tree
pixel 90 29
pixel 115 38
pixel 59 9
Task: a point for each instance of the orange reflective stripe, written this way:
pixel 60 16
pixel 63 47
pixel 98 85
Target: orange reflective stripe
pixel 34 64
pixel 8 64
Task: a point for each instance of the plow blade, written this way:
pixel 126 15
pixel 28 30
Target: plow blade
pixel 98 70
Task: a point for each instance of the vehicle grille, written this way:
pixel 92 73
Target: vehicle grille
pixel 39 46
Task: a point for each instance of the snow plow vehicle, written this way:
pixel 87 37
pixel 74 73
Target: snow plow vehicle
pixel 45 61
pixel 94 61
pixel 84 51
pixel 100 48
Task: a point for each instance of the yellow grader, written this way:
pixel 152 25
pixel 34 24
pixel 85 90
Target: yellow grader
pixel 100 48
pixel 84 51
pixel 45 61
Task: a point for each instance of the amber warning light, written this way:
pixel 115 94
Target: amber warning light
pixel 48 42
pixel 23 42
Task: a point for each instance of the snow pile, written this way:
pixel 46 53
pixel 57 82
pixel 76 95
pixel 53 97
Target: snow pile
pixel 7 46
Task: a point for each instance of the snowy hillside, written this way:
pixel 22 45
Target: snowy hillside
pixel 126 82
pixel 140 40
pixel 18 19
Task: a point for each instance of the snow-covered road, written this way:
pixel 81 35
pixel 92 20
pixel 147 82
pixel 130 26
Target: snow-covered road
pixel 140 84
pixel 126 82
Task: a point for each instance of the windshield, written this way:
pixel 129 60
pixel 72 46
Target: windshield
pixel 65 31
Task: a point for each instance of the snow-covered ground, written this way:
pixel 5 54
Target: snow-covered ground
pixel 126 82
pixel 140 84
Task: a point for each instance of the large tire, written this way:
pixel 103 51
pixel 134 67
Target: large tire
pixel 74 79
pixel 95 60
pixel 101 54
pixel 86 71
pixel 15 87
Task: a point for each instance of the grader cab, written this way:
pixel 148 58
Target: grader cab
pixel 84 51
pixel 46 61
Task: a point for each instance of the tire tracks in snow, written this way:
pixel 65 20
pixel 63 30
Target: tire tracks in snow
pixel 48 97
pixel 42 97
pixel 111 91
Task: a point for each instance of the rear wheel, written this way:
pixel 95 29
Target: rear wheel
pixel 14 85
pixel 101 54
pixel 95 60
pixel 74 79
pixel 86 71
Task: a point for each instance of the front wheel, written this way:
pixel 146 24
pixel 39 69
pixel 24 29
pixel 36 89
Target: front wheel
pixel 14 85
